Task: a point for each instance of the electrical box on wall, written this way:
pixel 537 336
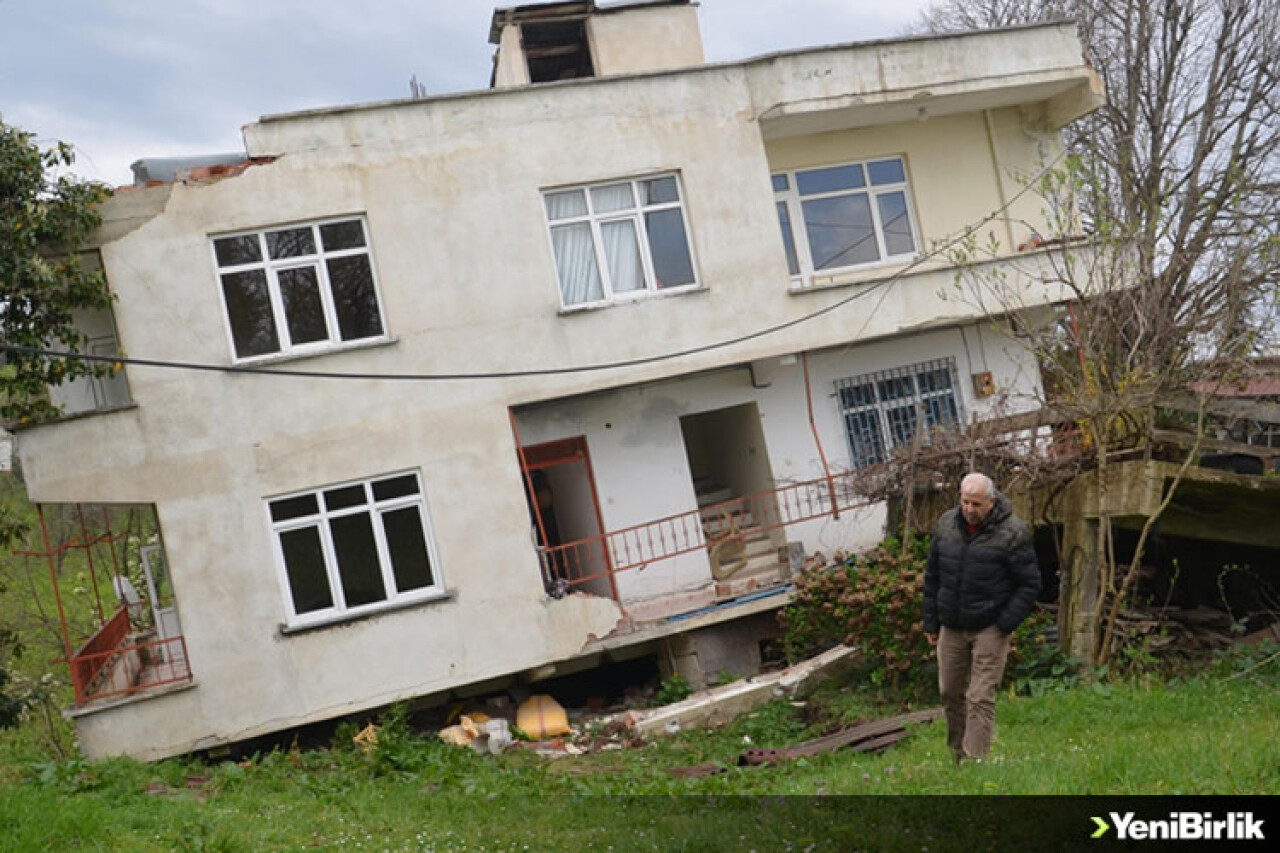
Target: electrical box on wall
pixel 983 385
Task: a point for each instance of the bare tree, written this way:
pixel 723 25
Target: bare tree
pixel 1166 209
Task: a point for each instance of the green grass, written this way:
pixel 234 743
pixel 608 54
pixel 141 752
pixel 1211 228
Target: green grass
pixel 1205 735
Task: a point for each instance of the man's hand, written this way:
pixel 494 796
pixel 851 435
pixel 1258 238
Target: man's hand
pixel 932 638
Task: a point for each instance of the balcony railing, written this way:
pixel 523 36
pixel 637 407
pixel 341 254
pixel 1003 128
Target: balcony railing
pixel 116 662
pixel 604 556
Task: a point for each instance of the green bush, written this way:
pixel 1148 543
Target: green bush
pixel 675 688
pixel 873 601
pixel 1037 665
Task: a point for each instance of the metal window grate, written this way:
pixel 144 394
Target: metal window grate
pixel 883 410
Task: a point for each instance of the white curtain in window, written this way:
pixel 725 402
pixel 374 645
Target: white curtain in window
pixel 576 263
pixel 565 205
pixel 621 247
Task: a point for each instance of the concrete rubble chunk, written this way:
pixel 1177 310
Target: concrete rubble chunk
pixel 719 705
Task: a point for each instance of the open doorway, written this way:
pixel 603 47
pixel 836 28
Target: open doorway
pixel 732 477
pixel 564 510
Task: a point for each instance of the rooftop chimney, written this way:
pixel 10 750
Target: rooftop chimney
pixel 542 43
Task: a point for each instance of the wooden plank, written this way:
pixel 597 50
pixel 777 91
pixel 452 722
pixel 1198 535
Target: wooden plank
pixel 879 734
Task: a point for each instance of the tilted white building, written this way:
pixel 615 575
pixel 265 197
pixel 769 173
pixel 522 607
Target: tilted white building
pixel 683 304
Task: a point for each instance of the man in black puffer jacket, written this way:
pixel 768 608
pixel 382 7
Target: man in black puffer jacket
pixel 981 582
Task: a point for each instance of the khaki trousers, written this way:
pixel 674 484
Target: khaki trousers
pixel 970 666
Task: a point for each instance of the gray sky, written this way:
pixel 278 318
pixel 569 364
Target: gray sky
pixel 126 79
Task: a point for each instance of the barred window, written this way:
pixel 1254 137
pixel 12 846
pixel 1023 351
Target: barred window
pixel 883 410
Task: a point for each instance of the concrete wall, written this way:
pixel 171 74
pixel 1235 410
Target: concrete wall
pixel 452 192
pixel 645 39
pixel 641 466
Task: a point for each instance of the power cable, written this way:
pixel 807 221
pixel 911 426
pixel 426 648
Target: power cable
pixel 552 371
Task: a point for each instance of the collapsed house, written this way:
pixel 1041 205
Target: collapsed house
pixel 508 383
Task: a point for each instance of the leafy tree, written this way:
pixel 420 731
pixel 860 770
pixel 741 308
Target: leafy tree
pixel 46 217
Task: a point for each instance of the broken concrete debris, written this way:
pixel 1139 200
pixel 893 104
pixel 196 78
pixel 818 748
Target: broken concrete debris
pixel 545 721
pixel 719 705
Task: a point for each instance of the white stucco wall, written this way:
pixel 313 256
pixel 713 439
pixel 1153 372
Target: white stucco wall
pixel 452 192
pixel 640 461
pixel 645 39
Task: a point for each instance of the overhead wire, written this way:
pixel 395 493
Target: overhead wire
pixel 264 370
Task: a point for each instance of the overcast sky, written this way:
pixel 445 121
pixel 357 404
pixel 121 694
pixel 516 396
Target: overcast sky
pixel 126 79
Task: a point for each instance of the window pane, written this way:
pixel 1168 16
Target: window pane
pixel 576 263
pixel 669 248
pixel 357 554
pixel 611 198
pixel 622 250
pixel 303 311
pixel 232 251
pixel 408 548
pixel 829 180
pixel 660 191
pixel 397 487
pixel 354 299
pixel 940 411
pixel 896 388
pixel 304 566
pixel 840 231
pixel 896 224
pixel 938 379
pixel 253 327
pixel 788 239
pixel 856 396
pixel 902 424
pixel 342 235
pixel 865 443
pixel 347 496
pixel 290 243
pixel 283 510
pixel 566 204
pixel 780 183
pixel 886 172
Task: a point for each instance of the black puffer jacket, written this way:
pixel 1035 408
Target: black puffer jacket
pixel 989 577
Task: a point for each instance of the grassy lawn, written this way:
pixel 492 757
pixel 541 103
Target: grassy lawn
pixel 1206 735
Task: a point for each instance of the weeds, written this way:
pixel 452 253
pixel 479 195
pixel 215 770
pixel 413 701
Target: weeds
pixel 674 688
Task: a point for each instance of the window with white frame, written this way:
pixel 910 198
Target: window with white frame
pixel 299 288
pixel 883 411
pixel 838 217
pixel 619 240
pixel 354 547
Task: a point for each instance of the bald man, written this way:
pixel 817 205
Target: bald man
pixel 981 582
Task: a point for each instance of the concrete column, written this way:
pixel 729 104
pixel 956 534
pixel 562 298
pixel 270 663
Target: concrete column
pixel 730 647
pixel 1078 595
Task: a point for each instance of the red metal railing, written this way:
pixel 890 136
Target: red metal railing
pixel 111 662
pixel 88 662
pixel 109 665
pixel 635 547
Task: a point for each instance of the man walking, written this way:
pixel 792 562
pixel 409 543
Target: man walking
pixel 981 582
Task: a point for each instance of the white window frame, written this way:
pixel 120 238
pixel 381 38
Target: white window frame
pixel 791 197
pixel 882 409
pixel 339 611
pixel 634 214
pixel 316 261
